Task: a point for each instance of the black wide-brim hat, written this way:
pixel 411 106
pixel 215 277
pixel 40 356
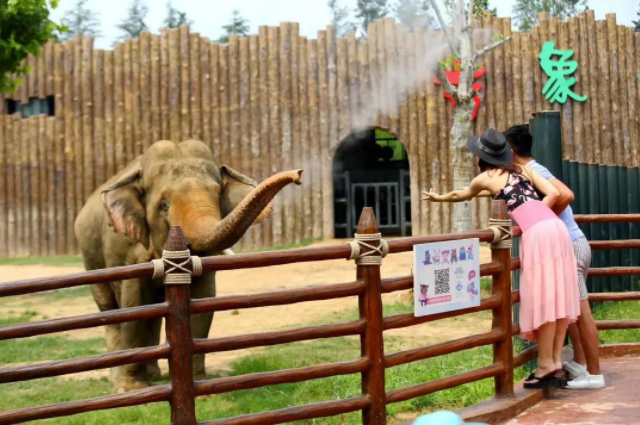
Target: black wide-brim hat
pixel 491 147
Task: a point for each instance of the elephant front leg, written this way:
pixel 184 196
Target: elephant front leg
pixel 153 370
pixel 202 287
pixel 136 334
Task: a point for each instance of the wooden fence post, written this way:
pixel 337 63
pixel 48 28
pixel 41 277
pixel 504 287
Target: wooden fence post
pixel 370 303
pixel 502 319
pixel 178 296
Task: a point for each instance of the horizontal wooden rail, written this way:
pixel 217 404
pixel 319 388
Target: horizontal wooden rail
pixel 403 283
pixel 395 284
pixel 419 390
pixel 408 319
pixel 298 413
pixel 131 398
pixel 268 299
pixel 614 296
pixel 406 244
pixel 287 376
pixel 83 364
pixel 614 271
pixel 617 244
pixel 515 263
pixel 24 330
pixel 422 353
pixel 515 330
pixel 515 296
pixel 29 286
pixel 604 325
pixel 263 339
pixel 276 258
pixel 526 356
pixel 607 218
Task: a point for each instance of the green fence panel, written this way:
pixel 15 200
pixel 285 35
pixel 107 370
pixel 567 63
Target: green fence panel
pixel 582 199
pixel 614 228
pixel 603 200
pixel 634 228
pixel 594 284
pixel 623 228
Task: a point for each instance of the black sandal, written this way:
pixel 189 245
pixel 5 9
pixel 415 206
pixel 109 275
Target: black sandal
pixel 533 376
pixel 547 381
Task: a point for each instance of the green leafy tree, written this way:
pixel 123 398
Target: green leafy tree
pixel 80 20
pixel 134 24
pixel 637 23
pixel 24 27
pixel 175 18
pixel 340 18
pixel 368 11
pixel 414 13
pixel 480 6
pixel 526 11
pixel 237 26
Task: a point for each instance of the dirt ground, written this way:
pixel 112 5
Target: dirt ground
pixel 258 319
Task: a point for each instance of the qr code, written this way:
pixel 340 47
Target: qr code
pixel 442 281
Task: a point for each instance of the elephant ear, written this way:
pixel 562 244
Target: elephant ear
pixel 125 210
pixel 235 186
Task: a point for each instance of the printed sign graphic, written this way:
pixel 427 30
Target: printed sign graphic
pixel 446 276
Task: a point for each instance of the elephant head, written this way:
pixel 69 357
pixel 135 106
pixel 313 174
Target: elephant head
pixel 180 184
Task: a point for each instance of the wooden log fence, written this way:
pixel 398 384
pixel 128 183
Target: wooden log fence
pixel 180 347
pixel 276 99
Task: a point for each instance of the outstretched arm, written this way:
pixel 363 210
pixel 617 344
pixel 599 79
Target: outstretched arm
pixel 474 189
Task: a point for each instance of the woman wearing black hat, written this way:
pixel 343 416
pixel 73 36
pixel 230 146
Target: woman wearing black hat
pixel 549 298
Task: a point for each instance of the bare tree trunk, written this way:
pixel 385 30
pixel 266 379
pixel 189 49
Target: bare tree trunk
pixel 460 131
pixel 461 45
pixel 462 125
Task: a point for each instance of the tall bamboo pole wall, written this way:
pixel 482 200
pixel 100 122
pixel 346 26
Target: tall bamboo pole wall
pixel 276 100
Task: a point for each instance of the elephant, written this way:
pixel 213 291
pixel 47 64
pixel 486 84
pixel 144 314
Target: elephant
pixel 127 220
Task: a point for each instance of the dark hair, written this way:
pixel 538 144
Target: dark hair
pixel 510 168
pixel 520 140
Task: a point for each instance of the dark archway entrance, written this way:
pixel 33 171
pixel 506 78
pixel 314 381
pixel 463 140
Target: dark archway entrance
pixel 371 169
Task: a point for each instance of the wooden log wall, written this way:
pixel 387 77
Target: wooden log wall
pixel 276 100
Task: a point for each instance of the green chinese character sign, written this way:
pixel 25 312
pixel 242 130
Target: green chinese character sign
pixel 558 87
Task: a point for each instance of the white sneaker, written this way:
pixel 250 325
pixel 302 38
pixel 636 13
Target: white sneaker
pixel 576 369
pixel 586 382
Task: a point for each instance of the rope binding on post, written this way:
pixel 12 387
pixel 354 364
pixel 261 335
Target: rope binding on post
pixel 175 273
pixel 502 233
pixel 369 258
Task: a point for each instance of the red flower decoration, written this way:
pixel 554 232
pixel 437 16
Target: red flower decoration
pixel 454 79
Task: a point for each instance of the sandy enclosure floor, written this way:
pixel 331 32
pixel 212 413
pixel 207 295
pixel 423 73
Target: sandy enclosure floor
pixel 259 319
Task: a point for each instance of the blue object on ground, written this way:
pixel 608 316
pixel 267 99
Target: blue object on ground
pixel 442 418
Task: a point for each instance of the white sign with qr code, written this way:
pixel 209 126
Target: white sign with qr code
pixel 446 276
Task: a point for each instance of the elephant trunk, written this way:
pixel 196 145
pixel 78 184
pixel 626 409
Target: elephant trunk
pixel 221 235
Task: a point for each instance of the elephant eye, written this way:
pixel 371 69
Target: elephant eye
pixel 164 205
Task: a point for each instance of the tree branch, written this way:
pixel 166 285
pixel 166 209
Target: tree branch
pixel 470 15
pixel 489 48
pixel 444 29
pixel 448 87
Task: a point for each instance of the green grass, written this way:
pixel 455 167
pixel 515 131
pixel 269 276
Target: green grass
pixel 33 300
pixel 48 391
pixel 45 347
pixel 618 311
pixel 56 261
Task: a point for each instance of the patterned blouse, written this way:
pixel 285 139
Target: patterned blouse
pixel 517 191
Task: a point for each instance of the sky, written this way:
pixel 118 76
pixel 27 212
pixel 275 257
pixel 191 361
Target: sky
pixel 210 15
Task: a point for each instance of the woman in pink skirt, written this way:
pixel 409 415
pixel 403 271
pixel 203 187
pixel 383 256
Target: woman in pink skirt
pixel 549 298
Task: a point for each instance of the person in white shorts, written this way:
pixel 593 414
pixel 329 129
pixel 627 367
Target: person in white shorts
pixel 585 366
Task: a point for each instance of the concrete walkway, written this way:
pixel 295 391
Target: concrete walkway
pixel 618 404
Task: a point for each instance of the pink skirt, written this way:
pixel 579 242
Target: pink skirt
pixel 549 274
